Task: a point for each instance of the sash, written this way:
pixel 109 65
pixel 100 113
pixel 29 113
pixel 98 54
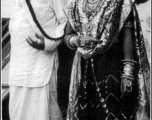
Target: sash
pixel 34 22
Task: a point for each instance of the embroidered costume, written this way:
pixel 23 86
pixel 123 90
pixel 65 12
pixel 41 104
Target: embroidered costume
pixel 97 71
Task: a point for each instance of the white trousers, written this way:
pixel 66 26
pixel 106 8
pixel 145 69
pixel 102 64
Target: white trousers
pixel 38 103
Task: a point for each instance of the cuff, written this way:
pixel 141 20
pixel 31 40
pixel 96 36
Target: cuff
pixel 50 44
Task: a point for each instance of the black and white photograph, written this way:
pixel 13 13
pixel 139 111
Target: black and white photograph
pixel 75 59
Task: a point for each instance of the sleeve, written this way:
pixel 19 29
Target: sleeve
pixel 69 33
pixel 61 17
pixel 59 30
pixel 29 16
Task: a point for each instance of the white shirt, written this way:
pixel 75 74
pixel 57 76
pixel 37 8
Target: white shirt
pixel 28 66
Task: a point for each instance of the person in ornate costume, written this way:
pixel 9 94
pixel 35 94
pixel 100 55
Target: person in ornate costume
pixel 110 72
pixel 34 59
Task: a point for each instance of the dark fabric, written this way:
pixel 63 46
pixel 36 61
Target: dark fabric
pixel 106 29
pixel 107 72
pixel 140 1
pixel 64 73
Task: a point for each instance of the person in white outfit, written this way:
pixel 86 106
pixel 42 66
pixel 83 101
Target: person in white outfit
pixel 33 70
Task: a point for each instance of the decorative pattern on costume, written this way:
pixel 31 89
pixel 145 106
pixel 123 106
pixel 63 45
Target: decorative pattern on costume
pixel 91 96
pixel 109 95
pixel 109 77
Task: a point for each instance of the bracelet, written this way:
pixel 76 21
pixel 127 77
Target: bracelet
pixel 127 60
pixel 69 43
pixel 128 69
pixel 129 77
pixel 128 73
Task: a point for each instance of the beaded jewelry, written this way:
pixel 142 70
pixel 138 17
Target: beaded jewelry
pixel 73 41
pixel 128 73
pixel 104 105
pixel 70 44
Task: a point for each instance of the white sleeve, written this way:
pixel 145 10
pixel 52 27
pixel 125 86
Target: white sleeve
pixel 29 16
pixel 59 30
pixel 51 45
pixel 61 17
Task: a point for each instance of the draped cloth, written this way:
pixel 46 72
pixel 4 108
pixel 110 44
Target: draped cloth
pixel 38 103
pixel 106 24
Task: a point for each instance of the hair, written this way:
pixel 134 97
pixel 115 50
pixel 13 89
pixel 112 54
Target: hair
pixel 140 1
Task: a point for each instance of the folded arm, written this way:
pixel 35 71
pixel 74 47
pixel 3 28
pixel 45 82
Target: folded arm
pixel 45 43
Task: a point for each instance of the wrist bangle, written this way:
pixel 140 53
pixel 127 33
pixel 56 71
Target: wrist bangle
pixel 128 70
pixel 69 43
pixel 127 60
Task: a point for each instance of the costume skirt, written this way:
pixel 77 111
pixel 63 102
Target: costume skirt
pixel 99 95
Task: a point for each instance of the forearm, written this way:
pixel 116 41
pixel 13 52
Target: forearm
pixel 128 60
pixel 70 36
pixel 50 45
pixel 128 44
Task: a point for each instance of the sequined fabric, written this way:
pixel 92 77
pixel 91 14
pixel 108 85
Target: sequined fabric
pixel 100 23
pixel 95 82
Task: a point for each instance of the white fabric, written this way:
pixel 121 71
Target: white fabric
pixel 34 103
pixel 145 18
pixel 28 66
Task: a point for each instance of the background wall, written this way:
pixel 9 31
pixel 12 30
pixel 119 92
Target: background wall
pixel 7 8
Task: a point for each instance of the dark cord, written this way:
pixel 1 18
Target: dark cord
pixel 38 24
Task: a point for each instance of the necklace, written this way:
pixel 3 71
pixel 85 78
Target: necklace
pixel 93 1
pixel 90 6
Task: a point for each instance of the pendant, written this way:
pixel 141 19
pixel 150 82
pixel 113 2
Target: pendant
pixel 89 27
pixel 93 1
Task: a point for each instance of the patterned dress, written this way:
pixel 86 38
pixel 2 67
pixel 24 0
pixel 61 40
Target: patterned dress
pixel 95 82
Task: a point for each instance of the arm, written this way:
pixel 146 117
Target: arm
pixel 128 43
pixel 127 77
pixel 73 40
pixel 70 36
pixel 128 62
pixel 59 30
pixel 43 43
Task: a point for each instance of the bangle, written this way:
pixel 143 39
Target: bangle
pixel 74 41
pixel 128 73
pixel 131 61
pixel 129 77
pixel 69 43
pixel 128 70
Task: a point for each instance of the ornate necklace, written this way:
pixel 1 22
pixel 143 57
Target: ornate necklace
pixel 93 1
pixel 90 6
pixel 89 22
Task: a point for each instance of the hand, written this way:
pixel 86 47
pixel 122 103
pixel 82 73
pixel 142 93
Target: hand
pixel 38 44
pixel 126 85
pixel 87 42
